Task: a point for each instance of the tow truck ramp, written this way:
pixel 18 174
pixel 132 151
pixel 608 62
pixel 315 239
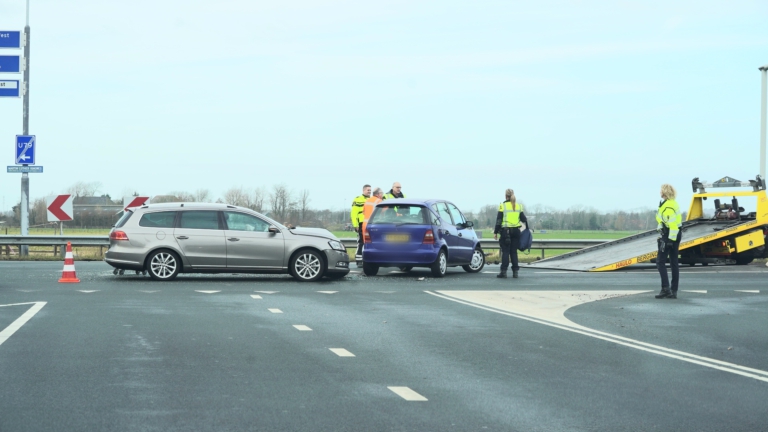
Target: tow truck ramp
pixel 640 247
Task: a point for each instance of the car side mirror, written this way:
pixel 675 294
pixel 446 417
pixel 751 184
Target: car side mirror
pixel 273 230
pixel 469 224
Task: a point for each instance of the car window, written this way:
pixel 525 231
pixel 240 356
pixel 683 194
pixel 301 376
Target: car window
pixel 400 213
pixel 442 210
pixel 245 222
pixel 158 219
pixel 124 218
pixel 458 218
pixel 200 220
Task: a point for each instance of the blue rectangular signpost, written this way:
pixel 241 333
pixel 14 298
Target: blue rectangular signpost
pixel 10 88
pixel 25 149
pixel 10 64
pixel 10 39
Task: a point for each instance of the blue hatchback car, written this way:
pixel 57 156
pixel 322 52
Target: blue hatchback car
pixel 431 233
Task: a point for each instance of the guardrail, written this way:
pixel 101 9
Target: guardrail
pixel 103 242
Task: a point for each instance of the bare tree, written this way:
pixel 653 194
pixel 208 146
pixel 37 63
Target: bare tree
pixel 202 195
pixel 236 196
pixel 183 196
pixel 84 189
pixel 304 204
pixel 281 202
pixel 256 199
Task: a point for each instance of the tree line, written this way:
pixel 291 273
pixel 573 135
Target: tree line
pixel 290 207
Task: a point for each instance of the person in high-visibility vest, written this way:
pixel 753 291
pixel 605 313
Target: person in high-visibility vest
pixel 509 220
pixel 395 192
pixel 669 220
pixel 370 204
pixel 356 215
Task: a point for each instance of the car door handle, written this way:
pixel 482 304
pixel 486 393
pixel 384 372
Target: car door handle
pixel 182 237
pixel 446 232
pixel 233 239
pixel 460 235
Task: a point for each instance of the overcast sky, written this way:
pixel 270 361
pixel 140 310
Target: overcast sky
pixel 592 103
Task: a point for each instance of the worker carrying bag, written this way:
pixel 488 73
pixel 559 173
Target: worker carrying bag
pixel 526 240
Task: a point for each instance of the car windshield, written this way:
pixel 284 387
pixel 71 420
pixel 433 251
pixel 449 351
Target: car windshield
pixel 400 214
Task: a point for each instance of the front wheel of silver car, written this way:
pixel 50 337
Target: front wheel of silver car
pixel 477 263
pixel 307 266
pixel 163 265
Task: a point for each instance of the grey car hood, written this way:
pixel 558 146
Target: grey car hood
pixel 314 232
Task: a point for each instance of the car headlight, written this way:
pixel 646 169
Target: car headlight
pixel 336 245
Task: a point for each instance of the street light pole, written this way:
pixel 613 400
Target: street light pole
pixel 24 249
pixel 763 109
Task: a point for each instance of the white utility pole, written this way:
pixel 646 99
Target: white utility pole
pixel 24 249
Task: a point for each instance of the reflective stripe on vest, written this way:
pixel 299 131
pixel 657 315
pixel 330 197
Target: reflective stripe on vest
pixel 511 216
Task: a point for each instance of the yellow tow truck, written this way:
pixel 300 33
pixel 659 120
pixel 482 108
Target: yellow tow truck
pixel 724 234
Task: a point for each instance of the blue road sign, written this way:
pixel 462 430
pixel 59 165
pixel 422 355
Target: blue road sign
pixel 25 169
pixel 10 88
pixel 10 63
pixel 25 149
pixel 10 39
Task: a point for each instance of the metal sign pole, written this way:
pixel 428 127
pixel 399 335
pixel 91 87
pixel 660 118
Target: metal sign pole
pixel 763 110
pixel 24 249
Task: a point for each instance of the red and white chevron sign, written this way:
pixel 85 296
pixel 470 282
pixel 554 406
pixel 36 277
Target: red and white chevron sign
pixel 134 201
pixel 59 208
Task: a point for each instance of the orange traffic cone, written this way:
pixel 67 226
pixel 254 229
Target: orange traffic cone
pixel 68 274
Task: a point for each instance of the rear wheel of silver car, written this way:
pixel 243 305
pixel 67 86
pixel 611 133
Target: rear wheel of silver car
pixel 307 266
pixel 440 266
pixel 477 263
pixel 163 265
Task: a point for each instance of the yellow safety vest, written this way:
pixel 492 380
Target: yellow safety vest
pixel 511 216
pixel 669 215
pixel 356 215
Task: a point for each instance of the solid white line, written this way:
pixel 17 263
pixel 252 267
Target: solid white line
pixel 88 291
pixel 148 292
pixel 255 297
pixel 207 292
pixel 275 310
pixel 407 394
pixel 20 321
pixel 327 292
pixel 696 291
pixel 300 327
pixel 757 374
pixel 341 352
pixel 749 291
pixel 266 292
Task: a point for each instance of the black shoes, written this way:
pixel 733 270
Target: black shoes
pixel 514 274
pixel 665 293
pixel 673 295
pixel 503 275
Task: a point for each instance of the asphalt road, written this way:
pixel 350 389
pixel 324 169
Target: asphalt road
pixel 551 351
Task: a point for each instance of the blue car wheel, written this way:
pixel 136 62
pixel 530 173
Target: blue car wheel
pixel 440 265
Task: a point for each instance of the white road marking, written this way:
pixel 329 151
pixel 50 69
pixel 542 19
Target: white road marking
pixel 341 352
pixel 267 292
pixel 275 310
pixel 696 291
pixel 207 292
pixel 385 292
pixel 548 308
pixel 407 394
pixel 88 291
pixel 327 292
pixel 749 291
pixel 27 291
pixel 148 292
pixel 301 327
pixel 20 321
pixel 495 272
pixel 255 297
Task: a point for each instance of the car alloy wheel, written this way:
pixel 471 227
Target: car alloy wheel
pixel 163 265
pixel 440 265
pixel 477 263
pixel 307 266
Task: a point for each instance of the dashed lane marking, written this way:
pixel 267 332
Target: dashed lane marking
pixel 88 291
pixel 207 292
pixel 275 310
pixel 267 292
pixel 301 327
pixel 341 352
pixel 255 297
pixel 385 292
pixel 148 292
pixel 548 308
pixel 749 291
pixel 696 291
pixel 26 291
pixel 408 394
pixel 327 292
pixel 20 321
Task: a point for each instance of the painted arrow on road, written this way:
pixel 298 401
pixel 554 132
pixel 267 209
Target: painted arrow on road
pixel 59 208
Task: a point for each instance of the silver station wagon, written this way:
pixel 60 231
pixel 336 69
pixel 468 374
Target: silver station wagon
pixel 171 238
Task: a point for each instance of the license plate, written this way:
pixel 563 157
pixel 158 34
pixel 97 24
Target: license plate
pixel 397 238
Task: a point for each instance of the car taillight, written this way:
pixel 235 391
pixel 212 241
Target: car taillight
pixel 429 237
pixel 118 235
pixel 366 236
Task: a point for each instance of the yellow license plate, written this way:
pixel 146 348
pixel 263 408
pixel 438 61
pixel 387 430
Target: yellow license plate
pixel 397 238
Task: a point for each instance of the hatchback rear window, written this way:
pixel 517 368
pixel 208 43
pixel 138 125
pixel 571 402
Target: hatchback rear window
pixel 124 218
pixel 158 220
pixel 400 214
